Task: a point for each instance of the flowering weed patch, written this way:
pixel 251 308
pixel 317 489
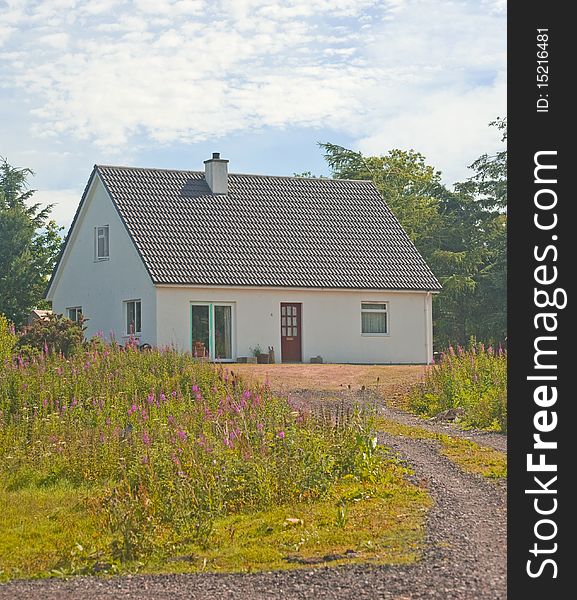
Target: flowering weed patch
pixel 170 448
pixel 474 380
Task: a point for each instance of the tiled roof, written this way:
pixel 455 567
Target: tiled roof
pixel 267 231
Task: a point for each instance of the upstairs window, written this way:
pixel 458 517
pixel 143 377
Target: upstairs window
pixel 101 243
pixel 374 318
pixel 133 317
pixel 75 313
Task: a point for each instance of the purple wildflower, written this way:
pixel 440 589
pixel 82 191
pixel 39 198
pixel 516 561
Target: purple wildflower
pixel 146 438
pixel 281 434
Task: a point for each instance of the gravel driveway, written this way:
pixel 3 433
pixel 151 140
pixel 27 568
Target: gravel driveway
pixel 464 556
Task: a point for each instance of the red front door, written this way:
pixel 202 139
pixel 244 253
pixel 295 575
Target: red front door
pixel 290 332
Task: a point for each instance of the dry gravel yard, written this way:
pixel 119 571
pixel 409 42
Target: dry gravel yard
pixel 465 553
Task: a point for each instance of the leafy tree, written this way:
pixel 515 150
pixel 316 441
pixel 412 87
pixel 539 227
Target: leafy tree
pixel 29 245
pixel 479 309
pixel 52 334
pixel 460 233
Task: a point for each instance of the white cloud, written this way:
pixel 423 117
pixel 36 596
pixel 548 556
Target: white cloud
pixel 451 131
pixel 422 74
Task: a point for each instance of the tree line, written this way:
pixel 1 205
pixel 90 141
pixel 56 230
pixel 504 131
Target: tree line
pixel 461 233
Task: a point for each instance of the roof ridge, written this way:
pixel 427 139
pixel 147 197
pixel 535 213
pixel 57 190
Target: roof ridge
pixel 97 166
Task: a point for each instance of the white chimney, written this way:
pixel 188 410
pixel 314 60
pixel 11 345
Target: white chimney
pixel 216 174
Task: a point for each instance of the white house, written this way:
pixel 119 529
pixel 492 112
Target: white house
pixel 308 266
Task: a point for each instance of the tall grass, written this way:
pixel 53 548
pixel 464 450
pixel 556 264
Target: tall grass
pixel 170 442
pixel 473 379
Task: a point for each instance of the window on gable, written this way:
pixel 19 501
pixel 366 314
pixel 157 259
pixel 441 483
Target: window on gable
pixel 101 242
pixel 133 317
pixel 374 318
pixel 74 313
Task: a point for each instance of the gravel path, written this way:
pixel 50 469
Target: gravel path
pixel 464 556
pixel 495 440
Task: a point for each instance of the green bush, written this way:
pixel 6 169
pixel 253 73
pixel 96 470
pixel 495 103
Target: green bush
pixel 473 379
pixel 7 339
pixel 52 334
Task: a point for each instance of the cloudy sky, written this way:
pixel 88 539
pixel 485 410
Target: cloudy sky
pixel 163 83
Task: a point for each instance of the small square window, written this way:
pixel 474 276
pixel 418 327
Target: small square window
pixel 75 313
pixel 374 318
pixel 133 317
pixel 101 242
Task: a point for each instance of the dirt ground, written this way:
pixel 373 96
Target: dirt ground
pixel 389 381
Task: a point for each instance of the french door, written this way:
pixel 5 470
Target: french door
pixel 211 330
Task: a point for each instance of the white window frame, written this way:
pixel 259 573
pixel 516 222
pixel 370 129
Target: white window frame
pixel 384 310
pixel 134 333
pixel 77 310
pixel 105 229
pixel 211 330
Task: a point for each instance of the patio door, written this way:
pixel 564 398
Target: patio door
pixel 211 330
pixel 290 332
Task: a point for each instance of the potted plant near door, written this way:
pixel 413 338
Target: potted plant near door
pixel 199 350
pixel 261 357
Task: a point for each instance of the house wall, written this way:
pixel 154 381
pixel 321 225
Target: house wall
pixel 101 287
pixel 331 322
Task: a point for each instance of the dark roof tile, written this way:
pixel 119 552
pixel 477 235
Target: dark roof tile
pixel 267 231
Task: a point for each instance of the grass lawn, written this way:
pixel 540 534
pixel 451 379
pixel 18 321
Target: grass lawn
pixel 54 531
pixel 469 456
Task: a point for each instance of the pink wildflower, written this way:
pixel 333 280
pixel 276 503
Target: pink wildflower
pixel 281 435
pixel 146 438
pixel 182 435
